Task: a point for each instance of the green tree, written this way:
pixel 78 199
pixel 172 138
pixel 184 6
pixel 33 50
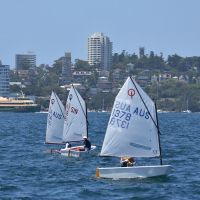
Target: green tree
pixel 82 65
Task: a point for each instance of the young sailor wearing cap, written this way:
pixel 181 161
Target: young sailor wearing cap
pixel 87 144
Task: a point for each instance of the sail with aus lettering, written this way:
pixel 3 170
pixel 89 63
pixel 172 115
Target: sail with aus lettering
pixel 55 121
pixel 132 131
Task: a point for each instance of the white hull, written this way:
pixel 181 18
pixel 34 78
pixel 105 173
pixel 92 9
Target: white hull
pixel 133 172
pixel 75 152
pixel 186 111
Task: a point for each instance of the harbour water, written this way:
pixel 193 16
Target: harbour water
pixel 28 171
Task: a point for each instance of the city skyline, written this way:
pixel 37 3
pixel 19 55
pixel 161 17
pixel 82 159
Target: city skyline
pixel 48 28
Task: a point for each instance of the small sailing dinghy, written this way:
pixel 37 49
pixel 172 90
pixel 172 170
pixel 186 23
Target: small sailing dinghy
pixel 132 131
pixel 187 110
pixel 75 124
pixel 55 121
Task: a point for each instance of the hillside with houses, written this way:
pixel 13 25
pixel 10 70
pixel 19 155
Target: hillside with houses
pixel 174 82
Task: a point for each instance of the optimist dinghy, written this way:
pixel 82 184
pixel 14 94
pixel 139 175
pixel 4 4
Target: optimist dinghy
pixel 132 131
pixel 75 124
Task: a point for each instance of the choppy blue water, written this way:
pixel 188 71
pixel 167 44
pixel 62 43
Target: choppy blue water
pixel 27 171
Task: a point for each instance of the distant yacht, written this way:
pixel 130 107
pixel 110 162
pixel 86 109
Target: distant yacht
pixel 103 110
pixel 162 111
pixel 187 110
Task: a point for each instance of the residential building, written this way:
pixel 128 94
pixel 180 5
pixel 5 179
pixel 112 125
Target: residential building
pixel 104 85
pixel 25 61
pixel 66 76
pixel 81 76
pixel 104 73
pixel 164 76
pixel 118 75
pixel 184 78
pixel 144 78
pixel 81 89
pixel 141 52
pixel 130 68
pixel 100 51
pixel 4 80
pixel 154 79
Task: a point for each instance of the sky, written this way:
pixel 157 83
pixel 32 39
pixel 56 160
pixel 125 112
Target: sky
pixel 49 28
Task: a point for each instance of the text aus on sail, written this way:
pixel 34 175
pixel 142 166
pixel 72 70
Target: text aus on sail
pixel 123 113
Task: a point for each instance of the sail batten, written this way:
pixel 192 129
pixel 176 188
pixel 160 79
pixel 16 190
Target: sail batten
pixel 75 125
pixel 132 127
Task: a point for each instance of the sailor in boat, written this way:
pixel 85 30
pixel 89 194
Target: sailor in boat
pixel 87 143
pixel 127 161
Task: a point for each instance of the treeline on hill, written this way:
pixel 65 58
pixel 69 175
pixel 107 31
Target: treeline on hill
pixel 173 63
pixel 170 94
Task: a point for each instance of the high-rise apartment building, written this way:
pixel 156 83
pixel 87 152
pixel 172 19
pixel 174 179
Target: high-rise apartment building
pixel 100 51
pixel 4 80
pixel 141 52
pixel 66 75
pixel 25 61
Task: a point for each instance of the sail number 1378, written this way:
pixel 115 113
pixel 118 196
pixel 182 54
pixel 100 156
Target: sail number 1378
pixel 120 118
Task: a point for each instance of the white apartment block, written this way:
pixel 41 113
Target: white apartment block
pixel 100 51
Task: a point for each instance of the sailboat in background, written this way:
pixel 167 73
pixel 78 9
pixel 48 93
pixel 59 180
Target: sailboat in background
pixel 132 131
pixel 75 124
pixel 187 110
pixel 103 109
pixel 55 121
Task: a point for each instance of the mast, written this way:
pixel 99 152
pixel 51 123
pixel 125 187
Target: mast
pixel 86 117
pixel 103 105
pixel 158 133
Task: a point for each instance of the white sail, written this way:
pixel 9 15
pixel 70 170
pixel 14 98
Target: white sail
pixel 75 125
pixel 55 120
pixel 130 130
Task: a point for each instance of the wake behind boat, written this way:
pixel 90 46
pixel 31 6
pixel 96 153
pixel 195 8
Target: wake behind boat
pixel 132 131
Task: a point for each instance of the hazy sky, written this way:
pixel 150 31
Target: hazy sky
pixel 49 28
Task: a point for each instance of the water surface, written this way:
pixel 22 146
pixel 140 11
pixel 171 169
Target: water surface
pixel 28 172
